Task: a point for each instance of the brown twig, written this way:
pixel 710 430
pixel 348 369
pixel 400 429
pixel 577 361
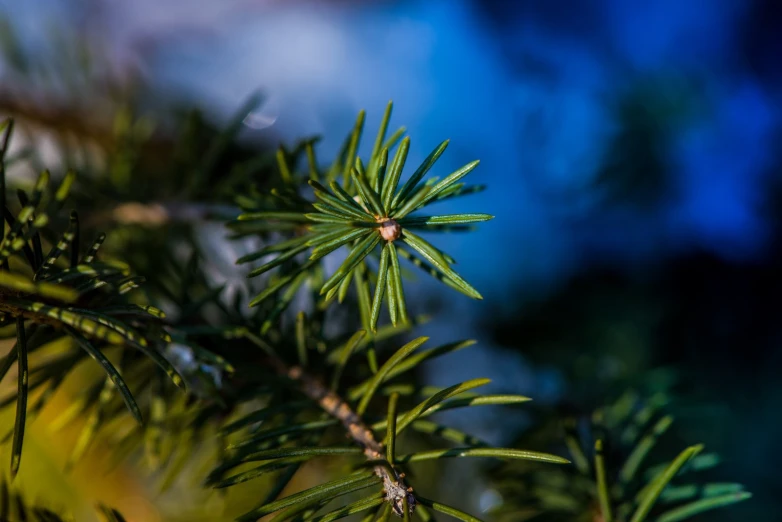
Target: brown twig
pixel 395 489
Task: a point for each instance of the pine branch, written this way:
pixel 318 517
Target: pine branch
pixel 80 301
pixel 308 213
pixel 366 211
pixel 618 484
pixel 270 444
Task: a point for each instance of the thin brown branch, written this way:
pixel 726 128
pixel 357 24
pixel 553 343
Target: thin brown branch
pixel 394 486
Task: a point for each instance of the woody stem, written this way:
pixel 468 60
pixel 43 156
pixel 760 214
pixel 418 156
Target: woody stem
pixel 393 482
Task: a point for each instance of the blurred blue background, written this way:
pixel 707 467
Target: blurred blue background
pixel 633 153
pixel 550 97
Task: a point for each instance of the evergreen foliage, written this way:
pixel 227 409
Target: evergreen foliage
pixel 362 207
pixel 614 476
pixel 279 392
pixel 83 298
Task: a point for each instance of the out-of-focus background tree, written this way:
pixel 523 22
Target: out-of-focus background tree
pixel 632 152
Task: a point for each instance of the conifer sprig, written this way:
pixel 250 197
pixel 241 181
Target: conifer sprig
pixel 301 433
pixel 83 298
pixel 363 207
pixel 615 477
